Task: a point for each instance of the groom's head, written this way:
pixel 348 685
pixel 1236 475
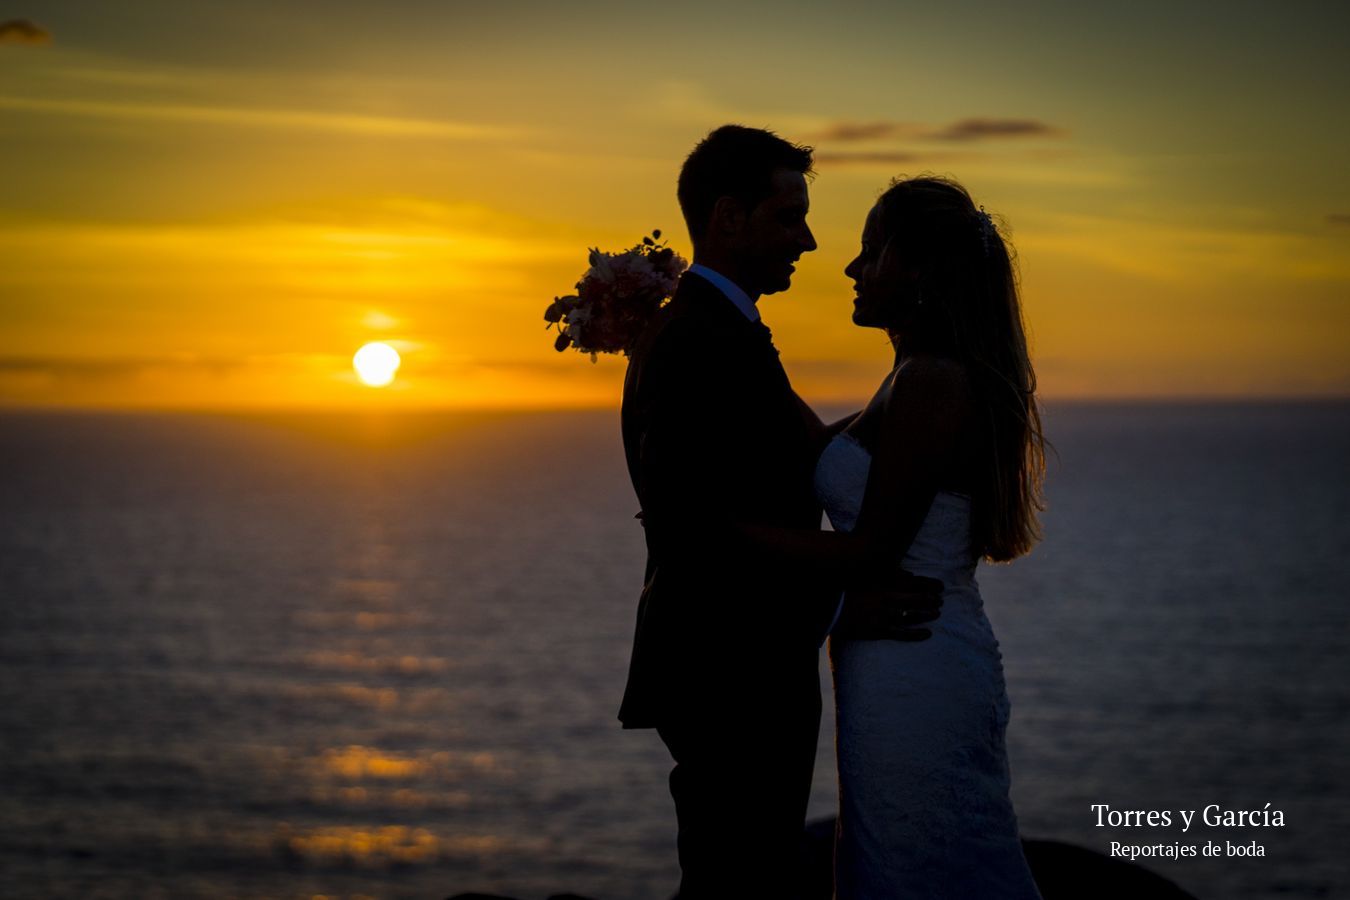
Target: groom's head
pixel 743 195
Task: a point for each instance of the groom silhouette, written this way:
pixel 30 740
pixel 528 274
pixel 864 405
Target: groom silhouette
pixel 725 657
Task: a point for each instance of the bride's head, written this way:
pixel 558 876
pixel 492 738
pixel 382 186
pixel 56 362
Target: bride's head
pixel 936 273
pixel 933 270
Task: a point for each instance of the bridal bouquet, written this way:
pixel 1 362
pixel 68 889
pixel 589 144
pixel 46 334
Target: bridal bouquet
pixel 616 298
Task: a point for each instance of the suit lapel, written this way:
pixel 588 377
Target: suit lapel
pixel 709 301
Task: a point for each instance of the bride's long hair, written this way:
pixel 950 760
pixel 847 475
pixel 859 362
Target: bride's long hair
pixel 964 304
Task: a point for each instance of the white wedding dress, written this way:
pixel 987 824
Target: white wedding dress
pixel 923 771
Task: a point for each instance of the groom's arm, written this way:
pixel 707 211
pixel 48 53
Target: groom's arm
pixel 694 458
pixel 690 452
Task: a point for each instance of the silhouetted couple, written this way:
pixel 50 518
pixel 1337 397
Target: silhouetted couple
pixel 732 470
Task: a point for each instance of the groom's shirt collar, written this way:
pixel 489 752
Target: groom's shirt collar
pixel 739 298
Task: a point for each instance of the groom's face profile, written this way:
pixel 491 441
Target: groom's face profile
pixel 773 235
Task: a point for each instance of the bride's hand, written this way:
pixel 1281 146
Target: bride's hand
pixel 894 611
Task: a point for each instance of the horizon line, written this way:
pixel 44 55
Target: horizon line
pixel 1124 400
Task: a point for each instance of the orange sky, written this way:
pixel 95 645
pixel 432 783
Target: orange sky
pixel 217 209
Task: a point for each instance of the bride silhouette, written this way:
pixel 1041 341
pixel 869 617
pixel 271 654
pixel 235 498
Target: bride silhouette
pixel 943 466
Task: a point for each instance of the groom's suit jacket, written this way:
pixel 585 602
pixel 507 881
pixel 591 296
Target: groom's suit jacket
pixel 714 435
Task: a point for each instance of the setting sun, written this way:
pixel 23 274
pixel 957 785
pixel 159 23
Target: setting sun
pixel 376 364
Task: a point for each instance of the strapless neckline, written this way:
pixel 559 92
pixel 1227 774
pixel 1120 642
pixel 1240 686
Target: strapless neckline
pixel 854 442
pixel 940 548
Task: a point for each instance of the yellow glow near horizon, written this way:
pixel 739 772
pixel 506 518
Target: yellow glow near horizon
pixel 376 363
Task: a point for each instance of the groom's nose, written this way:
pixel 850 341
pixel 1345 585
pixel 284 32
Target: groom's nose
pixel 808 240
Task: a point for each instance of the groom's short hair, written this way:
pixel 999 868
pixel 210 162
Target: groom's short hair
pixel 734 161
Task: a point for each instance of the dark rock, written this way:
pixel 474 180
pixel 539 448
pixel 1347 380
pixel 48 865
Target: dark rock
pixel 1067 872
pixel 1062 871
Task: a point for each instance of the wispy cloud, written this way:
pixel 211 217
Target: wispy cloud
pixel 1342 219
pixel 994 129
pixel 961 131
pixel 379 126
pixel 21 31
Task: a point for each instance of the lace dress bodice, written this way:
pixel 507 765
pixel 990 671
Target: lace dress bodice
pixel 941 549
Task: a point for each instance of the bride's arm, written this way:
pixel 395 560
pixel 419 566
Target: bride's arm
pixel 923 419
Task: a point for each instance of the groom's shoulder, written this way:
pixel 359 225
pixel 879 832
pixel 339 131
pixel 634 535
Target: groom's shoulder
pixel 692 318
pixel 684 338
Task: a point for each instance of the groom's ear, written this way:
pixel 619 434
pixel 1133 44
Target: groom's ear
pixel 728 217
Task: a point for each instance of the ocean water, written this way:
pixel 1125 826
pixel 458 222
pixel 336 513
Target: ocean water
pixel 351 655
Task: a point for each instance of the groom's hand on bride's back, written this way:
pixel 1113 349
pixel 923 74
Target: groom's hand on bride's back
pixel 893 611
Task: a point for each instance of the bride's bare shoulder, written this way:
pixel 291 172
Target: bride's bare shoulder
pixel 926 376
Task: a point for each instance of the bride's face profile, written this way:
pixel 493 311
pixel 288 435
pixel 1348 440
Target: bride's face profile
pixel 878 277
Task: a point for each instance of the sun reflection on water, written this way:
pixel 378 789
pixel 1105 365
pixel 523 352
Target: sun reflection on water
pixel 377 665
pixel 380 846
pixel 344 620
pixel 361 762
pixel 374 847
pixel 355 763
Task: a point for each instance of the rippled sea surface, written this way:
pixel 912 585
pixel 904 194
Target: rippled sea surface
pixel 345 655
